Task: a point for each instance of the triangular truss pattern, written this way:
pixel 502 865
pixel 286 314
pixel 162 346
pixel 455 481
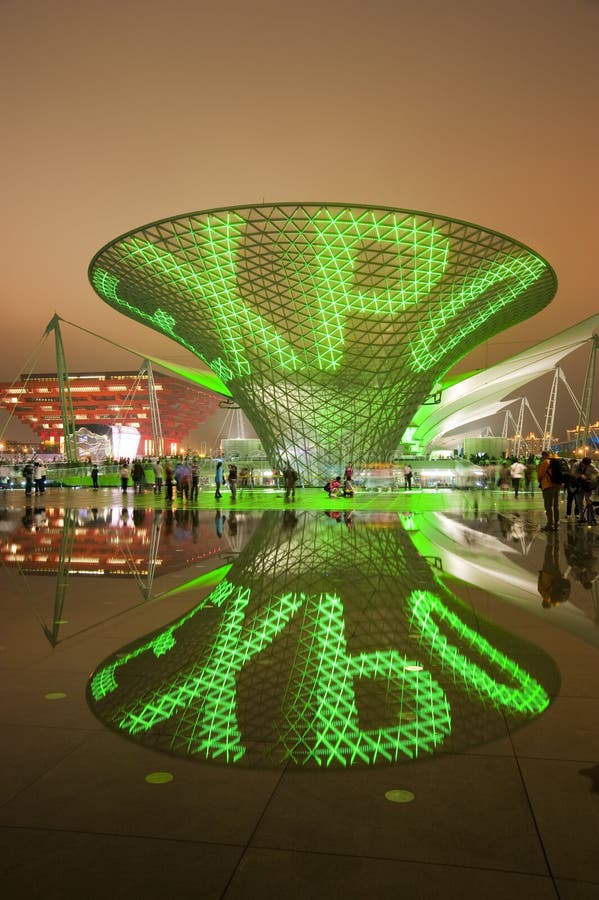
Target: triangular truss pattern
pixel 292 658
pixel 329 324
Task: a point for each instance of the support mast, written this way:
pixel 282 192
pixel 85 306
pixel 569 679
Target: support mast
pixel 66 401
pixel 584 419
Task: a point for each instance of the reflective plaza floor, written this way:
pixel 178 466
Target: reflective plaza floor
pixel 396 695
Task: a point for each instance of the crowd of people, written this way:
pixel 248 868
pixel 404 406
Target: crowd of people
pixel 180 477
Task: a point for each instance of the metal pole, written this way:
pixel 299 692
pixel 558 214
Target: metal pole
pixel 64 393
pixel 584 420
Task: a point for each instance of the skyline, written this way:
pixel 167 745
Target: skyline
pixel 117 115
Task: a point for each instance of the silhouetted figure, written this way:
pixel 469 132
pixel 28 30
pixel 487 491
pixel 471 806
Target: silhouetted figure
pixel 553 587
pixel 219 479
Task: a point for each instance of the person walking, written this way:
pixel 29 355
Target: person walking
pixel 232 478
pixel 219 479
pixel 407 477
pixel 28 475
pixel 517 470
pixel 587 479
pixel 573 492
pixel 40 478
pixel 290 476
pixel 528 483
pixel 168 480
pixel 124 473
pixel 138 475
pixel 195 480
pixel 158 476
pixel 183 478
pixel 550 492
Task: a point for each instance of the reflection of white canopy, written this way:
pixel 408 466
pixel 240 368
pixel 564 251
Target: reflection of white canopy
pixel 478 396
pixel 482 560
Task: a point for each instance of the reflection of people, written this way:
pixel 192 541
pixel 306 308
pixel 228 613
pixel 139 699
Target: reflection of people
pixel 289 519
pixel 232 523
pixel 139 515
pixel 580 557
pixel 27 519
pixel 553 587
pixel 219 522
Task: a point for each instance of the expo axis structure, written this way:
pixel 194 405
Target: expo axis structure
pixel 328 324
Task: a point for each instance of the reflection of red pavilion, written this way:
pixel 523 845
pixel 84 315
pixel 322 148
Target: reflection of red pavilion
pixel 114 398
pixel 105 547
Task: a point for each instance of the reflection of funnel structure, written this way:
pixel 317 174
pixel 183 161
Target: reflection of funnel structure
pixel 324 644
pixel 329 325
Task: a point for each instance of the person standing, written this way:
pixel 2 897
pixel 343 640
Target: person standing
pixel 219 479
pixel 94 474
pixel 168 479
pixel 573 493
pixel 28 475
pixel 407 477
pixel 40 478
pixel 517 470
pixel 124 473
pixel 550 492
pixel 195 480
pixel 290 476
pixel 232 478
pixel 587 479
pixel 528 473
pixel 182 477
pixel 158 476
pixel 138 475
pixel 503 479
pixel 349 472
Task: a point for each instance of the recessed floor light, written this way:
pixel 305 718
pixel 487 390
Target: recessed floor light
pixel 399 795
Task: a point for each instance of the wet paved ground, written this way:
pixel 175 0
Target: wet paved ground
pixel 395 695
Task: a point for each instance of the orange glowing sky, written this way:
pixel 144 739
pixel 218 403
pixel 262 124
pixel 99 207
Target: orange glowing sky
pixel 120 112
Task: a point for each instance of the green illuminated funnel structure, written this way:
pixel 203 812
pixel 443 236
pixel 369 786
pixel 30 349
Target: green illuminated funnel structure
pixel 329 642
pixel 328 324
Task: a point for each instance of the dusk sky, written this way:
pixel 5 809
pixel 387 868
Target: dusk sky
pixel 115 114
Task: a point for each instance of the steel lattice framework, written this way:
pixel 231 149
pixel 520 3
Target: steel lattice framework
pixel 328 324
pixel 329 642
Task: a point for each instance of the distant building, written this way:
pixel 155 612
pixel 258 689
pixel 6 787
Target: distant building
pixel 103 402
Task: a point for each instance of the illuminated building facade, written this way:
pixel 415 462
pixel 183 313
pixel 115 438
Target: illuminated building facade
pixel 328 324
pixel 111 399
